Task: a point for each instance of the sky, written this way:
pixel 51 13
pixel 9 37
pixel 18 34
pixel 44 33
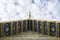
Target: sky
pixel 39 9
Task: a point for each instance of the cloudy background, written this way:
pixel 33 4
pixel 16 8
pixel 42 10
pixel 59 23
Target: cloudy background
pixel 19 9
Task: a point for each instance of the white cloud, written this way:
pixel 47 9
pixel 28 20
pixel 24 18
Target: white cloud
pixel 39 10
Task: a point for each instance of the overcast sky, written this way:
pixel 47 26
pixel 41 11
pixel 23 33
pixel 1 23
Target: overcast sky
pixel 19 9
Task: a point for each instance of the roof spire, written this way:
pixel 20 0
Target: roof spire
pixel 29 15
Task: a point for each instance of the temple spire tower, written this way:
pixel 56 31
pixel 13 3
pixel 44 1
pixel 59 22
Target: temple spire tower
pixel 29 15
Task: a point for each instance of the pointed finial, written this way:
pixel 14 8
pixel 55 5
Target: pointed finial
pixel 29 15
